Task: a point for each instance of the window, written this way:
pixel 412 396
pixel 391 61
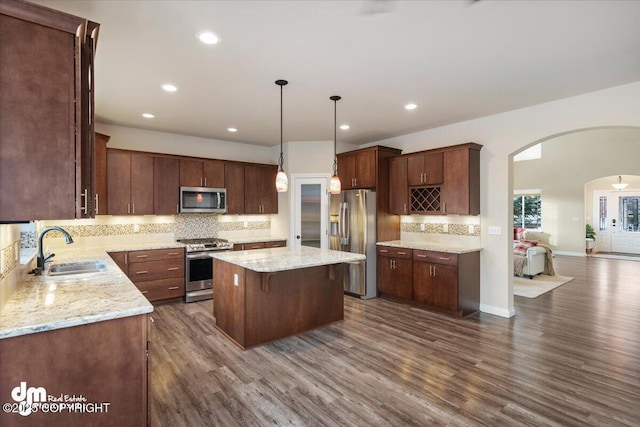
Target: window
pixel 527 212
pixel 531 153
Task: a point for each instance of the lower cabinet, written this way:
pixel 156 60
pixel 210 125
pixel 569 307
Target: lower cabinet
pixel 157 273
pixel 440 281
pixel 104 362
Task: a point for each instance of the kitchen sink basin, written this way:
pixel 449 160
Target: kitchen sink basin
pixel 82 267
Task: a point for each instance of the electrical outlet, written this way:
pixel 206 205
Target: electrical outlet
pixel 472 229
pixel 422 227
pixel 495 230
pixel 235 279
pixel 136 228
pixel 445 228
pixel 245 224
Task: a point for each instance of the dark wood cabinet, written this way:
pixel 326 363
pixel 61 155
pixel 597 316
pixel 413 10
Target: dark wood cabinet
pixel 129 183
pixel 358 169
pixel 259 245
pixel 46 119
pixel 425 169
pixel 394 272
pixel 260 196
pixel 166 185
pixel 398 189
pixel 461 189
pixel 202 173
pixel 157 273
pixel 234 183
pixel 101 173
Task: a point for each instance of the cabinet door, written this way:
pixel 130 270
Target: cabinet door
pixel 234 183
pixel 395 277
pixel 398 189
pixel 423 291
pixel 213 173
pixel 383 279
pixel 415 170
pixel 445 287
pixel 433 166
pixel 118 183
pixel 39 103
pixel 120 258
pixel 166 185
pixel 269 197
pixel 253 186
pixel 461 193
pixel 191 173
pixel 101 173
pixel 365 165
pixel 347 171
pixel 141 184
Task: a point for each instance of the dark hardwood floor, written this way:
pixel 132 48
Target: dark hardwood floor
pixel 569 357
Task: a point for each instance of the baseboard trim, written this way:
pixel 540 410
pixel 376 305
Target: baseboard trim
pixel 498 311
pixel 567 253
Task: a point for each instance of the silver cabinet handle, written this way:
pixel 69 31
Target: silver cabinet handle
pixel 96 203
pixel 444 206
pixel 205 181
pixel 401 253
pixel 142 272
pixel 85 194
pixel 144 292
pixel 430 270
pixel 391 264
pixel 200 181
pixel 128 208
pixel 174 253
pixel 172 268
pixel 177 208
pixel 434 271
pixel 383 251
pixel 174 287
pixel 445 259
pixel 133 208
pixel 405 208
pixel 126 258
pixel 421 256
pixel 142 256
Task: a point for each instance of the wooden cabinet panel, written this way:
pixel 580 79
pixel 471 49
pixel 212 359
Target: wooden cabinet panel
pixel 191 173
pixel 365 164
pixel 394 268
pixel 425 169
pixel 120 258
pixel 254 245
pixel 101 173
pixel 461 193
pixel 166 185
pixel 141 184
pixel 395 252
pixel 213 173
pixel 154 270
pixel 347 170
pixel 269 193
pixel 46 150
pixel 155 255
pixel 234 183
pixel 118 182
pixel 155 290
pixel 398 187
pixel 435 257
pixel 277 244
pixel 445 287
pixel 260 196
pixel 423 291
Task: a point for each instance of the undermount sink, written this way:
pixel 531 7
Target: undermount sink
pixel 82 267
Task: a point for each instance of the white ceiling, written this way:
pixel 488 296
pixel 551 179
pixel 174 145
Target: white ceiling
pixel 457 60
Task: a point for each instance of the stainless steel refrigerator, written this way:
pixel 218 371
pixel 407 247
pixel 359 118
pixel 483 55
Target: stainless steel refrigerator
pixel 353 229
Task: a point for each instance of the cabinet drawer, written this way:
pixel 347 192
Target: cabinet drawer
pixel 435 257
pixel 391 251
pixel 162 289
pixel 154 270
pixel 254 245
pixel 155 255
pixel 278 244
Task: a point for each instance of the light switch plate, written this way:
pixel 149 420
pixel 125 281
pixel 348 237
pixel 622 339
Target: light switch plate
pixel 495 230
pixel 445 228
pixel 472 229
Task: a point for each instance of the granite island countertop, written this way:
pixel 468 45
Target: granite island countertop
pixel 288 258
pixel 43 303
pixel 430 246
pixel 244 240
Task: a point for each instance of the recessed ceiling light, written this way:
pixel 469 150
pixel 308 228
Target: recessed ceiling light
pixel 148 115
pixel 232 129
pixel 208 37
pixel 169 88
pixel 344 127
pixel 410 107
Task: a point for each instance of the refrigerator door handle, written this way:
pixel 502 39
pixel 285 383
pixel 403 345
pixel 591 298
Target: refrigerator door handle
pixel 344 225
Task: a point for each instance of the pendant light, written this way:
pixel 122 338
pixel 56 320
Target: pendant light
pixel 334 184
pixel 282 182
pixel 620 185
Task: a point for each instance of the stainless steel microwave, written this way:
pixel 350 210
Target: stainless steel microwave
pixel 203 200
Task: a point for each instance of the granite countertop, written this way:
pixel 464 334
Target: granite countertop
pixel 43 303
pixel 241 241
pixel 281 259
pixel 143 246
pixel 430 246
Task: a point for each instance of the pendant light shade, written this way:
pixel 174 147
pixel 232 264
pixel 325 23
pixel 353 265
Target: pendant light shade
pixel 619 185
pixel 282 182
pixel 334 185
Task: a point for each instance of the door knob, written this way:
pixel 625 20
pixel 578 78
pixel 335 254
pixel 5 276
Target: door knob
pixel 298 237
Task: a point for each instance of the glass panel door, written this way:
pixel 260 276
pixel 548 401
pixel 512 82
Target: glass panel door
pixel 310 215
pixel 309 210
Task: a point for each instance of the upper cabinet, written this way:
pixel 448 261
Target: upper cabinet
pixel 440 181
pixel 202 173
pixel 129 183
pixel 234 182
pixel 260 196
pixel 100 170
pixel 46 114
pixel 166 185
pixel 357 169
pixel 424 169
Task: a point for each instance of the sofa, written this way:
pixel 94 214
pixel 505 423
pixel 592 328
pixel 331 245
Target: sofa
pixel 532 254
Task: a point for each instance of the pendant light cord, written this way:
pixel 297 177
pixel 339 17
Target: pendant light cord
pixel 281 160
pixel 335 99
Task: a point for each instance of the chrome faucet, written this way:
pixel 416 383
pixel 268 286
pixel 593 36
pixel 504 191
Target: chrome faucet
pixel 41 259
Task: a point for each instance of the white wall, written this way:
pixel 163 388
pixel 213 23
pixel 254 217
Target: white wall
pixel 569 162
pixel 502 135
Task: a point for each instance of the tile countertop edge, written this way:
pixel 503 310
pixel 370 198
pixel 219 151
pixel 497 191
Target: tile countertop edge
pixel 283 259
pixel 428 246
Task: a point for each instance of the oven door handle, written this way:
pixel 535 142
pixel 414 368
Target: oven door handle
pixel 204 255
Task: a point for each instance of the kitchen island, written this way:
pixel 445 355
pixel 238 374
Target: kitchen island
pixel 263 295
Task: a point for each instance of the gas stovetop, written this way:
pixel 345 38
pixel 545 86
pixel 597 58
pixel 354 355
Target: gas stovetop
pixel 207 244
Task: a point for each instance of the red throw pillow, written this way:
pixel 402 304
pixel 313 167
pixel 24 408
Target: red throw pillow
pixel 521 248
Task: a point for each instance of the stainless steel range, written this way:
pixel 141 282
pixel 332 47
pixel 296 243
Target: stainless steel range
pixel 199 266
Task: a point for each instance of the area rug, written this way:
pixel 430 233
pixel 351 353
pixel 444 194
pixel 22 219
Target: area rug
pixel 533 288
